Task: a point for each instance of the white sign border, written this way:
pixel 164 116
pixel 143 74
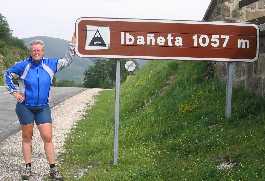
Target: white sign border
pixel 166 21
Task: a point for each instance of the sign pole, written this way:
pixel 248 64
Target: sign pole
pixel 117 114
pixel 229 88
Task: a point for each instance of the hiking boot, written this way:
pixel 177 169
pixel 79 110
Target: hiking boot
pixel 55 174
pixel 26 173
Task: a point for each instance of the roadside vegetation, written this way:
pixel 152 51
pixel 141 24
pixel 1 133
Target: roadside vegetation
pixel 11 48
pixel 66 83
pixel 102 74
pixel 172 127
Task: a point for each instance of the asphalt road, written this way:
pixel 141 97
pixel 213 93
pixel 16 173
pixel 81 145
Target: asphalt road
pixel 8 120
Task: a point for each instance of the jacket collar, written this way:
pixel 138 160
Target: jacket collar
pixel 33 62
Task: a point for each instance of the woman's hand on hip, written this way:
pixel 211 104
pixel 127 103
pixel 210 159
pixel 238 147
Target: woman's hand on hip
pixel 19 96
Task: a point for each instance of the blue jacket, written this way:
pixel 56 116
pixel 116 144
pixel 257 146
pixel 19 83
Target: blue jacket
pixel 36 78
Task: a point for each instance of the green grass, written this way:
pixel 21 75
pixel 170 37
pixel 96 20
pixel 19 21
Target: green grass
pixel 172 127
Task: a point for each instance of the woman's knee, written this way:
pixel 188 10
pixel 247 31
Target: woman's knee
pixel 47 138
pixel 46 132
pixel 27 137
pixel 27 133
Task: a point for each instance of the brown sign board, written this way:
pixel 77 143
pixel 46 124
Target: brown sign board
pixel 166 39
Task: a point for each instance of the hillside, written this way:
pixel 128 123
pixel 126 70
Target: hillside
pixel 56 47
pixel 172 127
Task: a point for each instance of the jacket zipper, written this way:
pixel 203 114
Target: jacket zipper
pixel 38 86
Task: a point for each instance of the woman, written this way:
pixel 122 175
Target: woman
pixel 36 73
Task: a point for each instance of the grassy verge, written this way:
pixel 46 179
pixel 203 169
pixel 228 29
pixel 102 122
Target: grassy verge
pixel 172 128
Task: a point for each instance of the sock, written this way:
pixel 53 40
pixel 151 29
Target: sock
pixel 28 164
pixel 52 165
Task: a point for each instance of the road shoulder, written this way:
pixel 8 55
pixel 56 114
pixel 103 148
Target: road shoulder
pixel 65 115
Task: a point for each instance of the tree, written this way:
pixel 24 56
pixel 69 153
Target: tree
pixel 6 35
pixel 11 48
pixel 103 73
pixel 5 32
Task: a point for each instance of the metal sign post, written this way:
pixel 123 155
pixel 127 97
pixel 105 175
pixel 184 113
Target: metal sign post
pixel 229 89
pixel 117 113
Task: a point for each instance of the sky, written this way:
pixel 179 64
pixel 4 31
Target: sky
pixel 56 18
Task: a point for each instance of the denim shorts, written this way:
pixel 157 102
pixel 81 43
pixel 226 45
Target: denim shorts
pixel 28 115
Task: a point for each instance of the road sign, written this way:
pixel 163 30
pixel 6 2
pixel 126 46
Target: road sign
pixel 166 39
pixel 130 66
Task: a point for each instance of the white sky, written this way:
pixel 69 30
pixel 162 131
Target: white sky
pixel 56 18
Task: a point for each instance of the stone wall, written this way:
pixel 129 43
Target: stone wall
pixel 250 76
